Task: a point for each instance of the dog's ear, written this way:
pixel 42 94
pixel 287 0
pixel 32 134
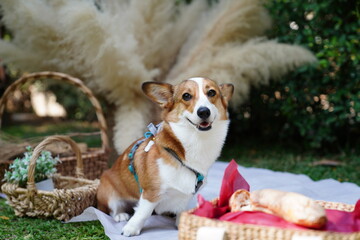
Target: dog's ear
pixel 227 91
pixel 161 93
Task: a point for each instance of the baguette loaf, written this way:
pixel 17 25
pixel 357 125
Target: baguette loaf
pixel 292 207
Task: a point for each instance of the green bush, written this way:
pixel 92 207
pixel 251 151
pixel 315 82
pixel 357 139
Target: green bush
pixel 318 105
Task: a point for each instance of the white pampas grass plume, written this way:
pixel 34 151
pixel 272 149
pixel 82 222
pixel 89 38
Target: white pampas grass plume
pixel 116 45
pixel 253 64
pixel 228 21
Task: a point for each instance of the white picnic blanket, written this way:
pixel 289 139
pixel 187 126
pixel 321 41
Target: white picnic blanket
pixel 163 228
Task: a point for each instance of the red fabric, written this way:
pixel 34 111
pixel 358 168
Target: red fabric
pixel 206 209
pixel 338 221
pixel 231 182
pixel 258 218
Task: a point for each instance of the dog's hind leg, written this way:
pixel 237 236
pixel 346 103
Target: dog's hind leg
pixel 120 209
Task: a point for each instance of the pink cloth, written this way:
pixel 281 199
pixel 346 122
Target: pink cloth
pixel 338 221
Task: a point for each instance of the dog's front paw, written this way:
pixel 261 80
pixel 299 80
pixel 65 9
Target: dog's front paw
pixel 130 230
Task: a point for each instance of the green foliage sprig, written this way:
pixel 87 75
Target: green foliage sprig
pixel 45 168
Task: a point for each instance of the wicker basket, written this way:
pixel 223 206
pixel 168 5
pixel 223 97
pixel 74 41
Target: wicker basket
pixel 190 223
pixel 69 198
pixel 95 160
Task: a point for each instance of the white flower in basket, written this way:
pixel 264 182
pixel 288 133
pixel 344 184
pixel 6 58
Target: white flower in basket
pixel 45 168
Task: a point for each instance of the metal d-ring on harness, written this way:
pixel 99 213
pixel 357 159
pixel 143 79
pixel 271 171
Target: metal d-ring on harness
pixel 152 131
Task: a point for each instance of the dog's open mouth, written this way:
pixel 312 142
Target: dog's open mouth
pixel 203 126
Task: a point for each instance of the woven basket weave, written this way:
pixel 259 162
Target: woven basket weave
pixel 69 198
pixel 190 223
pixel 96 159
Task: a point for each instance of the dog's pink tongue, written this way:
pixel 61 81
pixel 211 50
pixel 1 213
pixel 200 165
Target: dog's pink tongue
pixel 204 124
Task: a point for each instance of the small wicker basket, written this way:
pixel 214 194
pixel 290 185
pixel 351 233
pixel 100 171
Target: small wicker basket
pixel 189 225
pixel 95 159
pixel 69 198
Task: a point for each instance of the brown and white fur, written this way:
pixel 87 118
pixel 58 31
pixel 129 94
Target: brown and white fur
pixel 194 126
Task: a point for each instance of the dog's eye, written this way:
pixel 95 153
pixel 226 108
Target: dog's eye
pixel 211 93
pixel 186 96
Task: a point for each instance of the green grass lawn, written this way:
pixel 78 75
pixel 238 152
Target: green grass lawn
pixel 12 227
pixel 249 154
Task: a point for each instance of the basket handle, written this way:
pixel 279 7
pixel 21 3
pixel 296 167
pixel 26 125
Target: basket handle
pixel 66 78
pixel 39 148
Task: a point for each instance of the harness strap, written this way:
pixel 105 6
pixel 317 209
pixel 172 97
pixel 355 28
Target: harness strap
pixel 132 170
pixel 134 148
pixel 199 176
pixel 152 131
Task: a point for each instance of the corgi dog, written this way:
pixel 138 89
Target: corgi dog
pixel 162 171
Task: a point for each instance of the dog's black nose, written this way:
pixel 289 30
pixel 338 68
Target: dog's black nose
pixel 203 113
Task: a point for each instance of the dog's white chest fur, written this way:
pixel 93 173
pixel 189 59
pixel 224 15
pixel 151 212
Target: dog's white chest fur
pixel 202 149
pixel 178 186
